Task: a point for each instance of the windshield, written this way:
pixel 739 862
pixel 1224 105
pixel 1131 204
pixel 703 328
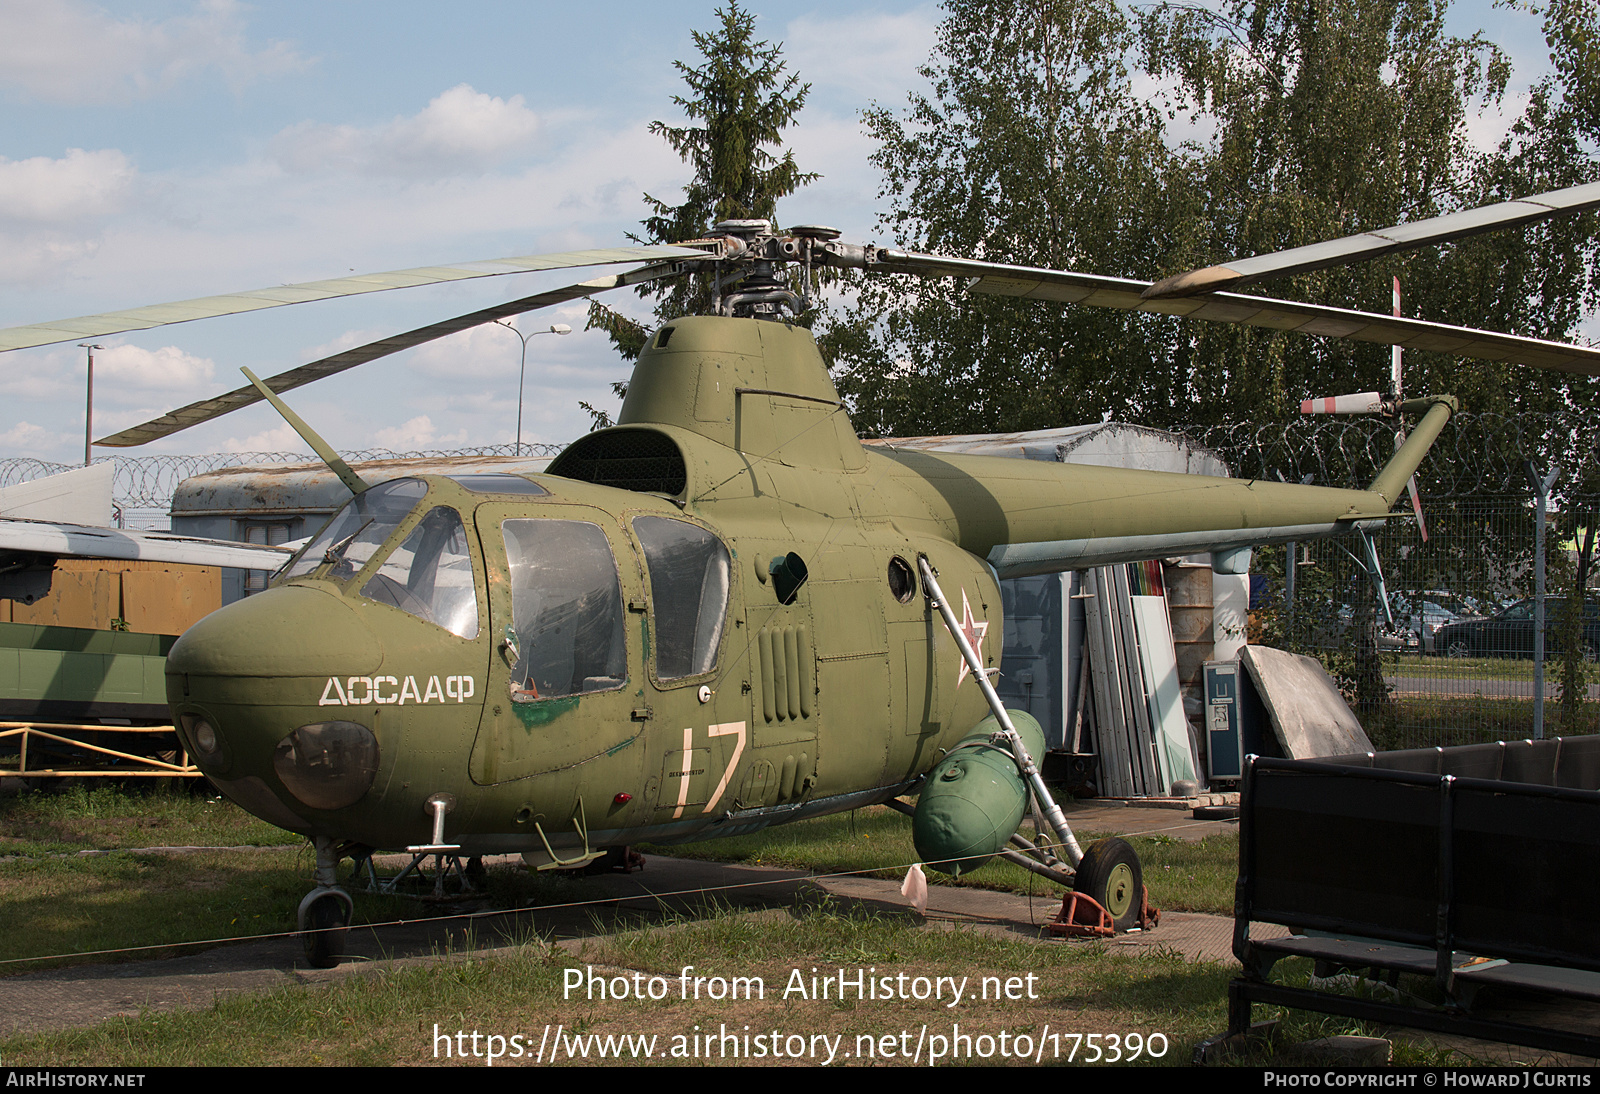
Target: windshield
pixel 430 575
pixel 348 540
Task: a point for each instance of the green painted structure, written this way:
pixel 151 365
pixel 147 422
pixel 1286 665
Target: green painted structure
pixel 73 674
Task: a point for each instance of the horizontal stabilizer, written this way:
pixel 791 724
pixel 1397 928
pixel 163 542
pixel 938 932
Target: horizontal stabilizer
pixel 79 496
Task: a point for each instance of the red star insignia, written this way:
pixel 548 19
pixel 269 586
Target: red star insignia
pixel 974 630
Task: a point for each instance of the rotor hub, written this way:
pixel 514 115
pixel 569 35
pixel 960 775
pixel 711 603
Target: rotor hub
pixel 749 280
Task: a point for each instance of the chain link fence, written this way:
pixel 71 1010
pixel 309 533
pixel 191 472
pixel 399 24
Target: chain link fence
pixel 1456 662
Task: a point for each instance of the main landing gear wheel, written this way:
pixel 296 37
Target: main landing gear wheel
pixel 324 915
pixel 1111 876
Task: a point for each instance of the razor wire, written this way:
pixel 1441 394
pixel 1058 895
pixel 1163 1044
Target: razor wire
pixel 148 482
pixel 1474 488
pixel 1475 495
pixel 1477 455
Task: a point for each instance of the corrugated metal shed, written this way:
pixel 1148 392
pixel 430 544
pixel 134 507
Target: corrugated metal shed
pixel 1106 444
pixel 300 488
pixel 1044 616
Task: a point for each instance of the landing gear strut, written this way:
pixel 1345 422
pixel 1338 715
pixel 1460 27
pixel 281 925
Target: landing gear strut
pixel 326 910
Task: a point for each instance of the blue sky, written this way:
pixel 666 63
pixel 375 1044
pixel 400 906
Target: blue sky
pixel 168 149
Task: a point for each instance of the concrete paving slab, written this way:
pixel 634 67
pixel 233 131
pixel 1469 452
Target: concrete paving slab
pixel 1099 817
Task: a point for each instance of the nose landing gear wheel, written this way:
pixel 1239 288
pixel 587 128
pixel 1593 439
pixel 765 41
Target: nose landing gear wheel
pixel 1110 875
pixel 324 915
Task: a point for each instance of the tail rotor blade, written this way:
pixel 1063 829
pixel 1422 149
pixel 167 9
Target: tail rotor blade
pixel 1366 402
pixel 1416 507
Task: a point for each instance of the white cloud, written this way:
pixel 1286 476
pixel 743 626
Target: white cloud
pixel 280 438
pixel 348 340
pixel 38 376
pixel 71 52
pixel 837 149
pixel 1488 127
pixel 27 439
pixel 242 224
pixel 202 209
pixel 484 353
pixel 53 212
pixel 462 130
pixel 31 256
pixel 418 433
pixel 77 186
pixel 167 369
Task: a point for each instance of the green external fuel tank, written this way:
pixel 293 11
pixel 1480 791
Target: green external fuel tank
pixel 974 798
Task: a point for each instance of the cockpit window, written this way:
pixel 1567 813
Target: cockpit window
pixel 430 575
pixel 355 533
pixel 566 610
pixel 688 591
pixel 498 482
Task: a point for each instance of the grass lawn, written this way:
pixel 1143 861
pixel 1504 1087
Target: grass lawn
pixel 768 992
pixel 1148 1008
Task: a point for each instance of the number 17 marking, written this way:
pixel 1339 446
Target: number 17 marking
pixel 723 729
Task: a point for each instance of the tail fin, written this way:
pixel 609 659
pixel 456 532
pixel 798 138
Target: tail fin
pixel 1392 479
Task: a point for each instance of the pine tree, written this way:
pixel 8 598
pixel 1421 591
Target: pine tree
pixel 740 99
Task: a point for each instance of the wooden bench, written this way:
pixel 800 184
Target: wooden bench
pixel 1474 866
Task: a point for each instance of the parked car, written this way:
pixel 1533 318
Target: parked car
pixel 1421 617
pixel 1509 632
pixel 1417 619
pixel 1335 624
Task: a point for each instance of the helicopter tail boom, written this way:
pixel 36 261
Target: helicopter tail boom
pixel 1033 517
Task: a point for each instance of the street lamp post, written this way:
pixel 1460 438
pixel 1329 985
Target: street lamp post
pixel 554 328
pixel 88 412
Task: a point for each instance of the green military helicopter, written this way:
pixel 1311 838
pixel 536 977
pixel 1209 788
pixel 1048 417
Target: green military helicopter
pixel 724 612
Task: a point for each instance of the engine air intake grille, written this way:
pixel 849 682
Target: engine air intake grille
pixel 628 459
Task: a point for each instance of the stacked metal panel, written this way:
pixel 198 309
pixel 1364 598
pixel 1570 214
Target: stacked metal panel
pixel 1141 736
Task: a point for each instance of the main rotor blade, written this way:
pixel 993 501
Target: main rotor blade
pixel 207 409
pixel 206 307
pixel 1358 248
pixel 1255 311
